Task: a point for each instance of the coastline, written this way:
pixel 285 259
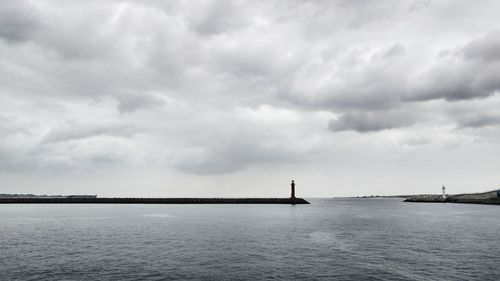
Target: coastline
pixel 490 198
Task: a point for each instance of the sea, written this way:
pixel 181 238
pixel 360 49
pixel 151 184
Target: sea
pixel 330 239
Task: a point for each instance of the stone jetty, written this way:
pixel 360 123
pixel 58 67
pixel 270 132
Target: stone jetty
pixel 490 197
pixel 129 200
pixel 93 199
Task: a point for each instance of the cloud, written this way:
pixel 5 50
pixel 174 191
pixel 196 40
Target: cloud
pixel 227 87
pixel 370 121
pixel 486 49
pixel 131 103
pixel 75 131
pixel 394 50
pixel 215 17
pixel 467 74
pixel 478 120
pixel 265 135
pixel 18 20
pixel 231 156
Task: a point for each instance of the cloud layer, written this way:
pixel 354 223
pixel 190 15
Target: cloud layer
pixel 211 89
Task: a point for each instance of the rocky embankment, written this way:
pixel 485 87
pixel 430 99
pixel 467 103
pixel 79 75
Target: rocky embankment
pixel 96 200
pixel 426 198
pixel 490 197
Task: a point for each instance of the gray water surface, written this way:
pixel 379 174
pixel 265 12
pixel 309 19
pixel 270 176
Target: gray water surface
pixel 331 239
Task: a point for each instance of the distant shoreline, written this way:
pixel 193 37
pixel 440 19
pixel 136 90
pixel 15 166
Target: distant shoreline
pixel 385 196
pixel 375 196
pixel 490 197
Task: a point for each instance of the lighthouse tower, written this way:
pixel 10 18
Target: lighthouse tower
pixel 292 185
pixel 444 193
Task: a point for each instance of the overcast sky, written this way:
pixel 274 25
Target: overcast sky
pixel 236 98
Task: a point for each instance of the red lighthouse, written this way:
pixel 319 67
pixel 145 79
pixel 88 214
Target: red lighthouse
pixel 292 196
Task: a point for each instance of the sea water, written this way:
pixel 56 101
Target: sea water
pixel 331 239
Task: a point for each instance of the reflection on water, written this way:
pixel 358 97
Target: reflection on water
pixel 340 239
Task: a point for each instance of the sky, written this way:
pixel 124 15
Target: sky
pixel 237 98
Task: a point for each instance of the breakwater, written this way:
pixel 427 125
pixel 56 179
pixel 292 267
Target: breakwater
pixel 490 197
pixel 129 200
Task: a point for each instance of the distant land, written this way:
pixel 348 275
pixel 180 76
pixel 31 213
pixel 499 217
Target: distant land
pixel 382 196
pixel 489 197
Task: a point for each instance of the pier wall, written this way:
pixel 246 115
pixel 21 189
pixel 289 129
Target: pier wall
pixel 95 200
